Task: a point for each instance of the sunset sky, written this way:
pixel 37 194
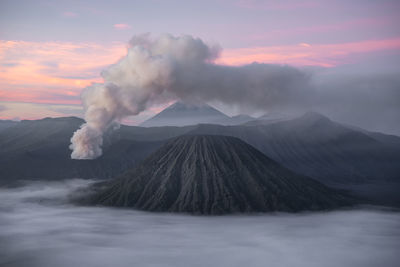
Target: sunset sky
pixel 51 50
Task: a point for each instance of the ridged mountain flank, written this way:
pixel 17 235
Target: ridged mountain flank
pixel 209 174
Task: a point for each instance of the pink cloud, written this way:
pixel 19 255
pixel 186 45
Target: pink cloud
pixel 121 26
pixel 325 55
pixel 304 45
pixel 70 14
pixel 56 72
pixel 52 72
pixel 276 5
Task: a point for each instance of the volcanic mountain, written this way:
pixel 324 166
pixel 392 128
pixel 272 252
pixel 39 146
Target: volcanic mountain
pixel 180 114
pixel 38 150
pixel 183 114
pixel 209 174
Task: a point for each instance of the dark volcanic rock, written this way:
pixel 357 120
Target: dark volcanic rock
pixel 317 147
pixel 39 150
pixel 208 174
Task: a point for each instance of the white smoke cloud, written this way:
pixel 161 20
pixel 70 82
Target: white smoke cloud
pixel 156 70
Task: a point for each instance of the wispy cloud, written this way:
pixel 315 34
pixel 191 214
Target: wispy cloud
pixel 304 54
pixel 304 45
pixel 69 14
pixel 276 5
pixel 122 26
pixel 52 72
pixel 56 72
pixel 33 111
pixel 3 108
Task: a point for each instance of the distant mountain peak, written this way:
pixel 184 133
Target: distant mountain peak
pixel 182 106
pixel 186 105
pixel 182 114
pixel 57 119
pixel 314 116
pixel 268 118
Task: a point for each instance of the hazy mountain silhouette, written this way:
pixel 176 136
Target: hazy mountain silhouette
pixel 182 114
pixel 4 124
pixel 214 175
pixel 39 149
pixel 315 146
pixel 311 145
pixel 239 119
pixel 268 118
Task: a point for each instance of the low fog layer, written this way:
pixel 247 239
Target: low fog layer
pixel 38 228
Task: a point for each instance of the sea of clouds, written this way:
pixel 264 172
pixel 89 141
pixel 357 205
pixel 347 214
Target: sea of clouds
pixel 39 228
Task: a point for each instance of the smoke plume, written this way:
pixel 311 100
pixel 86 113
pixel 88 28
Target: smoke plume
pixel 156 70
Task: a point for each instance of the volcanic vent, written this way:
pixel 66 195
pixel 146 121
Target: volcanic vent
pixel 208 174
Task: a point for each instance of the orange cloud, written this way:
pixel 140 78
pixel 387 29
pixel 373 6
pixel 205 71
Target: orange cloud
pixel 56 72
pixel 325 55
pixel 304 45
pixel 52 72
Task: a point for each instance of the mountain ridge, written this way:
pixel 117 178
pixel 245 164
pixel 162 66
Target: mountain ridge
pixel 210 174
pixel 329 152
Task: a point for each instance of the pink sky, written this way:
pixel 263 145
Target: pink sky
pixel 50 51
pixel 56 72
